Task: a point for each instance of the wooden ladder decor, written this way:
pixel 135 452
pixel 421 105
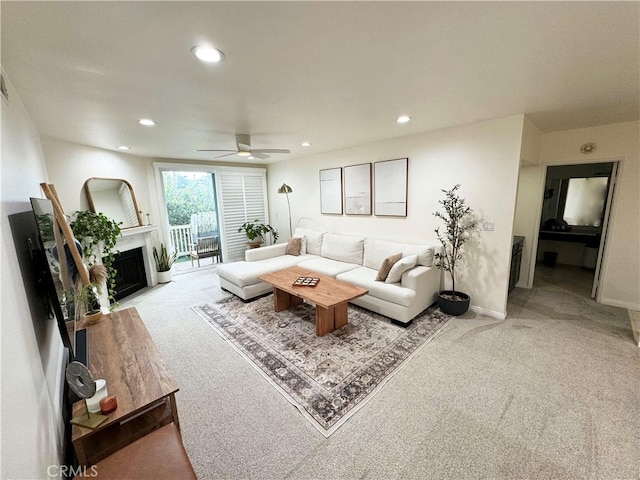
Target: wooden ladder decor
pixel 50 192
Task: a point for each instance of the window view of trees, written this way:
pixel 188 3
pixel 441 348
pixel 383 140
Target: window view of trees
pixel 188 193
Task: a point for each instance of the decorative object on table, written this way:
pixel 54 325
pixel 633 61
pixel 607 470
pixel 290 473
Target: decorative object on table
pixel 108 404
pixel 331 381
pixel 286 189
pixel 255 232
pixel 390 187
pixel 93 403
pixel 164 262
pixel 306 281
pixel 88 296
pixel 95 231
pixel 83 385
pixel 357 189
pixel 459 224
pixel 331 191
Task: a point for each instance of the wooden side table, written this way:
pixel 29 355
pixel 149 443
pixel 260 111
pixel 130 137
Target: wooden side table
pixel 122 352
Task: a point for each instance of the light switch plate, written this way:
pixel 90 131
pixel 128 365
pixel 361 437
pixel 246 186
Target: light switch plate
pixel 488 226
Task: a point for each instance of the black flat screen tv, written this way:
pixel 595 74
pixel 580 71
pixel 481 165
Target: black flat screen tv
pixel 60 291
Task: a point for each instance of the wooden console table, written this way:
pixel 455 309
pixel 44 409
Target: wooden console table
pixel 122 352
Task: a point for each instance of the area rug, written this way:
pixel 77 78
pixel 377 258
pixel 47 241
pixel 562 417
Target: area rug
pixel 327 378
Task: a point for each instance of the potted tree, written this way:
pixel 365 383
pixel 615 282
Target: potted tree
pixel 459 223
pixel 255 232
pixel 164 262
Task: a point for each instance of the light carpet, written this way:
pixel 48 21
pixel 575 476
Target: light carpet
pixel 327 378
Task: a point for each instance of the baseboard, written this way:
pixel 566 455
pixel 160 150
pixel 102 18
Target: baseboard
pixel 488 313
pixel 621 304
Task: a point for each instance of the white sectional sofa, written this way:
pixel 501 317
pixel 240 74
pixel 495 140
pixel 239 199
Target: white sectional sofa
pixel 352 259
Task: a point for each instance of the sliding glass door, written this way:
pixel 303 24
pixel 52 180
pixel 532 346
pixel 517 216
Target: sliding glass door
pixel 202 201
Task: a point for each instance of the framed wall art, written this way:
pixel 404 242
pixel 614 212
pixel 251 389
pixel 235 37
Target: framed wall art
pixel 357 189
pixel 390 187
pixel 331 191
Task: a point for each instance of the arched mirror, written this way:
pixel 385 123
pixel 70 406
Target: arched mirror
pixel 113 197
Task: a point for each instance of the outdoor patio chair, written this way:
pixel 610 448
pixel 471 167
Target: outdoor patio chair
pixel 206 247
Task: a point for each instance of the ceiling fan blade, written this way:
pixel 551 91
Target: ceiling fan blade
pixel 208 150
pixel 227 154
pixel 270 150
pixel 259 155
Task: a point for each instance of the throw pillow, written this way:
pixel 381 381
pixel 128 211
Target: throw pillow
pixel 303 243
pixel 401 266
pixel 293 247
pixel 387 263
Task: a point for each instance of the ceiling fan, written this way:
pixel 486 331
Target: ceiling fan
pixel 243 142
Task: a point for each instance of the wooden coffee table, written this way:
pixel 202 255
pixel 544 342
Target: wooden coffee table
pixel 330 296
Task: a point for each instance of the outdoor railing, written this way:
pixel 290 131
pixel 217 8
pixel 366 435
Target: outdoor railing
pixel 180 239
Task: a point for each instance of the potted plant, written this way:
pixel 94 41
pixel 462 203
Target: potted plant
pixel 459 224
pixel 87 297
pixel 164 262
pixel 255 232
pixel 98 234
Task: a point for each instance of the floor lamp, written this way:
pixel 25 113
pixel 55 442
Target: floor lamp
pixel 286 189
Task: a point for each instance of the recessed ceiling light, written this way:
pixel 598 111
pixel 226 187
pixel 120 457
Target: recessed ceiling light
pixel 208 54
pixel 147 122
pixel 306 144
pixel 123 147
pixel 244 154
pixel 403 119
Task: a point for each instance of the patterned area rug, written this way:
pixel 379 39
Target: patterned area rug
pixel 327 378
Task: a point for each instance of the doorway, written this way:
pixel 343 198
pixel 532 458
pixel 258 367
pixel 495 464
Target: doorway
pixel 573 225
pixel 192 211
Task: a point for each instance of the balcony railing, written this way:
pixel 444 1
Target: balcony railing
pixel 180 239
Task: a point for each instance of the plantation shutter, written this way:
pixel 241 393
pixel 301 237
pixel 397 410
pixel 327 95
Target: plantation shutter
pixel 242 199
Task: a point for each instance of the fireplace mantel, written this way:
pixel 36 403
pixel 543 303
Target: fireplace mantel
pixel 140 237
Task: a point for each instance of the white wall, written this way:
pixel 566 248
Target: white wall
pixel 31 376
pixel 483 157
pixel 621 265
pixel 71 164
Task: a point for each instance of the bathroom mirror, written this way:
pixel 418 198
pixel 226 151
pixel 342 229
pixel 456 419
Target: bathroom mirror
pixel 113 197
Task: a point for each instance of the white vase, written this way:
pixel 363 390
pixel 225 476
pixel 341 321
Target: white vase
pixel 164 277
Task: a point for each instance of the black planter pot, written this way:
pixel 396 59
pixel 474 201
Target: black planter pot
pixel 453 307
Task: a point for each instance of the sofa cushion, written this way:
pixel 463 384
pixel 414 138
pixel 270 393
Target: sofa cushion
pixel 401 266
pixel 375 251
pixel 327 266
pixel 314 239
pixel 366 278
pixel 293 246
pixel 387 263
pixel 344 248
pixel 303 243
pixel 247 273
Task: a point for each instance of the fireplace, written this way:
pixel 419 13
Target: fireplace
pixel 131 274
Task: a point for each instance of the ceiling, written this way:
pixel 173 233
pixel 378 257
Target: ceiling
pixel 336 74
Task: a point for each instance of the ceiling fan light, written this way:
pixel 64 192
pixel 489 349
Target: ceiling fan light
pixel 306 144
pixel 147 122
pixel 403 119
pixel 208 54
pixel 244 154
